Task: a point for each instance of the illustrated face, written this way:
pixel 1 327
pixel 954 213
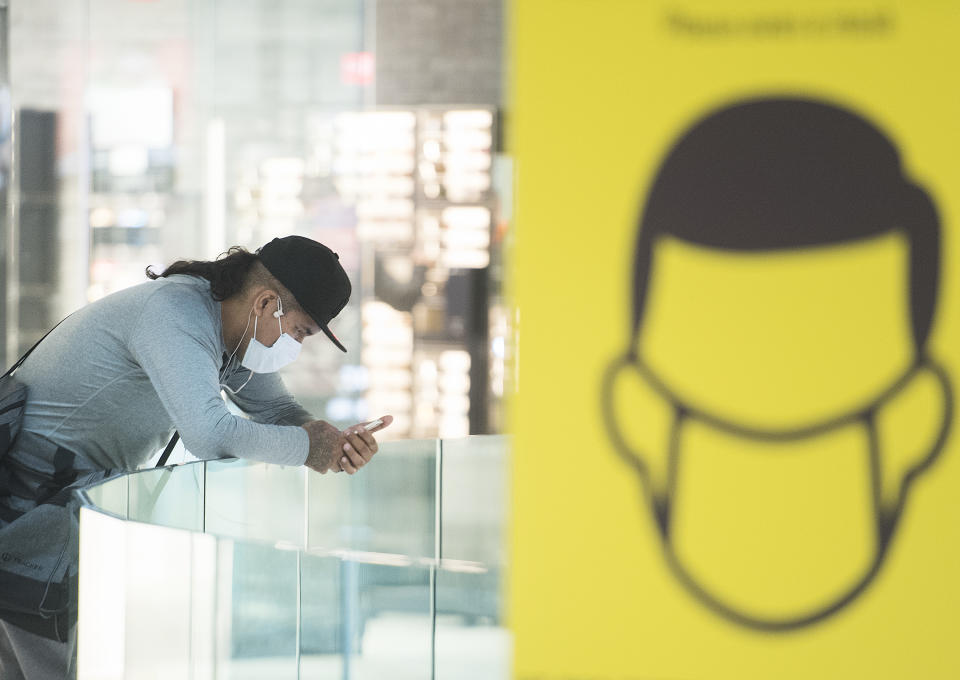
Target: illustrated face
pixel 771 411
pixel 778 339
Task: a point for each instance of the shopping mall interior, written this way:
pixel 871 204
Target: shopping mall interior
pixel 154 131
pixel 137 133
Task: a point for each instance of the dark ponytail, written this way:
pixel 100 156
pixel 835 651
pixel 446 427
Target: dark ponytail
pixel 226 274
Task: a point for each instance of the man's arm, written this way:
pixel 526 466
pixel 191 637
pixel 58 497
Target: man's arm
pixel 181 357
pixel 266 399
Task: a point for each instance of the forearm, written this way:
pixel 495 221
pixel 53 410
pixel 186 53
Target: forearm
pixel 224 434
pixel 325 443
pixel 266 400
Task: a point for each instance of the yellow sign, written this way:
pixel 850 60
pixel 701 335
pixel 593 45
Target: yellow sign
pixel 738 340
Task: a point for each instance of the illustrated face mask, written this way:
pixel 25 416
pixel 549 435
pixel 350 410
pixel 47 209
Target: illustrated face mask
pixel 778 528
pixel 262 359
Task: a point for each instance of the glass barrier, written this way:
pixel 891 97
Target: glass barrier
pixel 390 508
pixel 171 497
pixel 253 501
pixel 233 570
pixel 471 640
pixel 111 497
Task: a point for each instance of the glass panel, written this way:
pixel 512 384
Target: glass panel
pixel 111 496
pixel 393 633
pixel 322 632
pixel 365 621
pixel 328 508
pixel 256 501
pixel 204 578
pixel 472 642
pixel 101 622
pixel 171 497
pixel 259 634
pixel 388 507
pixel 474 506
pixel 157 611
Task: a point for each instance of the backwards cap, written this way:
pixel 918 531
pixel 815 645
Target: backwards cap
pixel 313 274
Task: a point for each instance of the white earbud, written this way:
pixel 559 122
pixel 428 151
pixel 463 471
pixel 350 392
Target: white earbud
pixel 277 314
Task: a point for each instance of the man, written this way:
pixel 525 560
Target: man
pixel 111 383
pixel 777 396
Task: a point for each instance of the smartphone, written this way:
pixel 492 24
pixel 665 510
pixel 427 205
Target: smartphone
pixel 373 425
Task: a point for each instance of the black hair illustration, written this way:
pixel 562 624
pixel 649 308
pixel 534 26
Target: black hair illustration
pixel 776 174
pixel 779 174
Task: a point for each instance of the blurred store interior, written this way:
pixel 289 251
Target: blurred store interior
pixel 134 133
pixel 138 132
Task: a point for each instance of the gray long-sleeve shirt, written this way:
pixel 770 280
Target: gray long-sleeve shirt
pixel 114 379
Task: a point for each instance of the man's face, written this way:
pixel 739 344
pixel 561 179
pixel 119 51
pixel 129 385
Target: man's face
pixel 297 324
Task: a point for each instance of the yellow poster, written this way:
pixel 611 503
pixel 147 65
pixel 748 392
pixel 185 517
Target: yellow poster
pixel 736 279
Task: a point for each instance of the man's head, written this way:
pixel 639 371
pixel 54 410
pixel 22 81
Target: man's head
pixel 294 279
pixel 263 296
pixel 313 275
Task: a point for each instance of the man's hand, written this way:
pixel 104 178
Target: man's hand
pixel 360 445
pixel 350 450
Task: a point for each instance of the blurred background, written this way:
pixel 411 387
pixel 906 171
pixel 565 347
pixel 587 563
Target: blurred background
pixel 137 132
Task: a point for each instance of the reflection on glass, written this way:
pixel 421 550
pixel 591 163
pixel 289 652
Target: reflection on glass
pixel 322 634
pixel 170 497
pixel 388 507
pixel 158 602
pixel 393 622
pixel 365 621
pixel 475 505
pixel 256 501
pixel 111 496
pixel 102 598
pixel 472 642
pixel 261 609
pixel 146 608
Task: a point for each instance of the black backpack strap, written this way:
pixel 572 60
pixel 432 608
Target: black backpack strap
pixel 166 451
pixel 173 440
pixel 27 353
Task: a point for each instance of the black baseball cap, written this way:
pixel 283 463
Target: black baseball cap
pixel 313 273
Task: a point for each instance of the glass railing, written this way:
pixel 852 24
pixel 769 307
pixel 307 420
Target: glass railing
pixel 236 570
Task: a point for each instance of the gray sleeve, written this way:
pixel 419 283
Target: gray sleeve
pixel 266 399
pixel 176 348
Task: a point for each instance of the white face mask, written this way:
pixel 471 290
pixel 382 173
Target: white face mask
pixel 262 359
